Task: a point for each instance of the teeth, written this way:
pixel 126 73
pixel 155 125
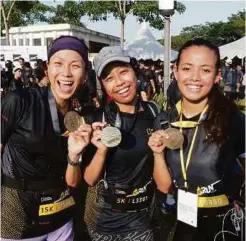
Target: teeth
pixel 194 87
pixel 66 82
pixel 123 91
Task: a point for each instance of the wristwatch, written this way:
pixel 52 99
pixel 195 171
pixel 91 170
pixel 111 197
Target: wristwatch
pixel 75 164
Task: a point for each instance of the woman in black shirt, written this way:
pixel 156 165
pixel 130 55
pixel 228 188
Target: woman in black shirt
pixel 213 131
pixel 120 177
pixel 36 201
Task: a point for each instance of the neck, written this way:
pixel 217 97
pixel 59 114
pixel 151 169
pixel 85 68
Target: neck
pixel 127 108
pixel 61 104
pixel 190 109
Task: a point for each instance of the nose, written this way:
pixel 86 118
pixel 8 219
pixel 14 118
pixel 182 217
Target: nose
pixel 196 76
pixel 66 70
pixel 118 80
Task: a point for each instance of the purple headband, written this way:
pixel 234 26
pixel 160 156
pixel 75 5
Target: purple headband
pixel 71 43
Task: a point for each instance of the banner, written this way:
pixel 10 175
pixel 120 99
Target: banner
pixel 29 53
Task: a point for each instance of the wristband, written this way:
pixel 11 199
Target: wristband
pixel 75 164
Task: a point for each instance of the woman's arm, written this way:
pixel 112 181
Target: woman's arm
pixel 94 170
pixel 77 141
pixel 161 174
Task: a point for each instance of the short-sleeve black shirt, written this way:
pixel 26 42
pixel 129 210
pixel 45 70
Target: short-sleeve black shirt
pixel 131 163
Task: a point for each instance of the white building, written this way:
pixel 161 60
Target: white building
pixel 42 35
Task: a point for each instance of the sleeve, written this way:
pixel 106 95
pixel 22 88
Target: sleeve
pixel 161 121
pixel 238 133
pixel 10 114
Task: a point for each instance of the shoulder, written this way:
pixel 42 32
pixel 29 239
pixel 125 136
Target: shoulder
pixel 152 106
pixel 161 121
pixel 237 120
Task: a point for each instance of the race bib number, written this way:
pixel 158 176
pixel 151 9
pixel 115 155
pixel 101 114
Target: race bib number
pixel 187 207
pixel 48 209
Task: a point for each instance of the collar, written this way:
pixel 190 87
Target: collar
pixel 187 123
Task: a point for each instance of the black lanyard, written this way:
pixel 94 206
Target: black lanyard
pixel 53 112
pixel 118 121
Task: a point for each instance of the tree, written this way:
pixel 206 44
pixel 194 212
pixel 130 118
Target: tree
pixel 143 10
pixel 219 33
pixel 21 13
pixel 70 12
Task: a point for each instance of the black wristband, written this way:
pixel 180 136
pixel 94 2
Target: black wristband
pixel 75 164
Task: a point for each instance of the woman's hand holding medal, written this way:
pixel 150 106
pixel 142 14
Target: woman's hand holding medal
pixel 171 138
pixel 80 133
pixel 96 139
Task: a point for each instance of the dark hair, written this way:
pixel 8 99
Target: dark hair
pixel 220 107
pixel 21 59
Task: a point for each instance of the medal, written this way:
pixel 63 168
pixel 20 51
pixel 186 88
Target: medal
pixel 73 120
pixel 175 140
pixel 111 136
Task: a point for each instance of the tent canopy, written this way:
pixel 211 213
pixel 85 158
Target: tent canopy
pixel 231 50
pixel 145 46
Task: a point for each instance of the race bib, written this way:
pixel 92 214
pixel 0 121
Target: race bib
pixel 187 207
pixel 52 204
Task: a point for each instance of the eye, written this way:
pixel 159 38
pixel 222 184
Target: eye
pixel 57 63
pixel 186 68
pixel 123 71
pixel 206 70
pixel 76 66
pixel 109 79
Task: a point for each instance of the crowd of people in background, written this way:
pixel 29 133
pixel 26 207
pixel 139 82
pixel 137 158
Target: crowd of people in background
pixel 150 79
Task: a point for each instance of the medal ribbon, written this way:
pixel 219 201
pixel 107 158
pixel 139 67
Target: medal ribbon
pixel 183 166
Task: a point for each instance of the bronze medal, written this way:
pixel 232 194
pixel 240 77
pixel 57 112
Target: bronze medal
pixel 111 136
pixel 72 121
pixel 175 140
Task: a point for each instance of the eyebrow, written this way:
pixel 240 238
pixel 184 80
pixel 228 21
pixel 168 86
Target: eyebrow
pixel 204 65
pixel 73 61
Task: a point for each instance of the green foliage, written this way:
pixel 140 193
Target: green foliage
pixel 142 10
pixel 70 12
pixel 24 13
pixel 219 33
pixel 160 99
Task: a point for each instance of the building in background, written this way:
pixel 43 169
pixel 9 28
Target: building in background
pixel 43 35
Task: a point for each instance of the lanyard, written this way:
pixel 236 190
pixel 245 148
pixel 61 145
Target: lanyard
pixel 183 166
pixel 118 121
pixel 53 112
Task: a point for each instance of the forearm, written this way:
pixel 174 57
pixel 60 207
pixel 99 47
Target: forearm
pixel 152 84
pixel 73 173
pixel 161 174
pixel 93 171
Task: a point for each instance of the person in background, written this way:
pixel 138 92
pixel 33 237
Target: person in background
pixel 16 83
pixel 22 62
pixel 125 172
pixel 40 75
pixel 202 168
pixel 40 162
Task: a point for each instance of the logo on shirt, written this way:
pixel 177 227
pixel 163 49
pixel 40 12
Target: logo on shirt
pixel 208 189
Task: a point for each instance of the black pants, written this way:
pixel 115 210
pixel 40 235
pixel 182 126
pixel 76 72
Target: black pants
pixel 208 228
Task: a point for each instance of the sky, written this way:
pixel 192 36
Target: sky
pixel 197 12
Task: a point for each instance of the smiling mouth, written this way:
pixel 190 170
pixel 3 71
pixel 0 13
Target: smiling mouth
pixel 123 91
pixel 194 88
pixel 65 86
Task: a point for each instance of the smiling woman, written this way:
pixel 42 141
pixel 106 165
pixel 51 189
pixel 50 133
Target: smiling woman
pixel 39 163
pixel 123 177
pixel 203 167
